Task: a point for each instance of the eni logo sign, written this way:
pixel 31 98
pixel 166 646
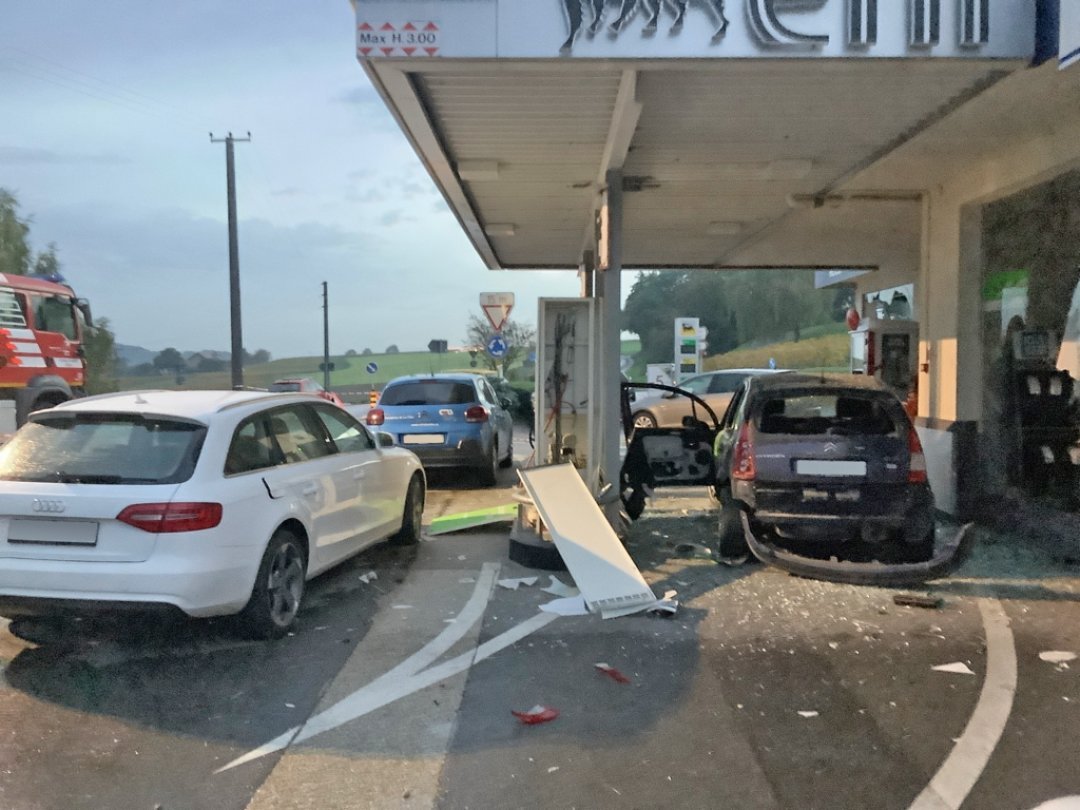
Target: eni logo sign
pixel 774 26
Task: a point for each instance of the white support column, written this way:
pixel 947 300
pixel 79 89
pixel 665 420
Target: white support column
pixel 609 311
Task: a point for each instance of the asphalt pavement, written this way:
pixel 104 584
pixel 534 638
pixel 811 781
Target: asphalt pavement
pixel 763 691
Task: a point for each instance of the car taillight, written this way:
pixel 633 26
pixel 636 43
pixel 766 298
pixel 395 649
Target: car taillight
pixel 376 416
pixel 917 459
pixel 477 413
pixel 743 465
pixel 163 518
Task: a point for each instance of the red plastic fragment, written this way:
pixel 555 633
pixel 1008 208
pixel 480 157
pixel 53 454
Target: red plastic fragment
pixel 536 715
pixel 612 673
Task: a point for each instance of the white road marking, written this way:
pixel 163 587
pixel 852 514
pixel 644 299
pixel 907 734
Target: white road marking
pixel 963 767
pixel 409 676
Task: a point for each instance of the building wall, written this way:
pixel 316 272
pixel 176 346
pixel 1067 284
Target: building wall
pixel 952 387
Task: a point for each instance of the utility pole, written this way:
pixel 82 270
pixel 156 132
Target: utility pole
pixel 325 338
pixel 234 260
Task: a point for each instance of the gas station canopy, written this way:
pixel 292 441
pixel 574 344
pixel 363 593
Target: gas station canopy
pixel 728 125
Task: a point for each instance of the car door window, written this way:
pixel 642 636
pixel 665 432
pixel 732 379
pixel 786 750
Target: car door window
pixel 348 435
pixel 487 393
pixel 696 385
pixel 251 447
pixel 733 408
pixel 298 434
pixel 725 383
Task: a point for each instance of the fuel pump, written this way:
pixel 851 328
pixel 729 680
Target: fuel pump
pixel 888 349
pixel 1039 414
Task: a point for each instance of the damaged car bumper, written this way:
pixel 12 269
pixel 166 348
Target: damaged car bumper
pixel 946 560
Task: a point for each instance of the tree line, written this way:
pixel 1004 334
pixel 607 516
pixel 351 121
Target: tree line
pixel 737 307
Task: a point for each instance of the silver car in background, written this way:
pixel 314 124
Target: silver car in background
pixel 667 409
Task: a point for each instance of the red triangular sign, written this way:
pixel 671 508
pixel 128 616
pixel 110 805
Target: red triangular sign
pixel 497 315
pixel 386 51
pixel 387 27
pixel 431 51
pixel 366 51
pixel 365 27
pixel 431 27
pixel 408 27
pixel 409 51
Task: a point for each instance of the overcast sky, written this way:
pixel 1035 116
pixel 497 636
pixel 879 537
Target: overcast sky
pixel 107 109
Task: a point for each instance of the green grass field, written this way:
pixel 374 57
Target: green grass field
pixel 348 371
pixel 828 351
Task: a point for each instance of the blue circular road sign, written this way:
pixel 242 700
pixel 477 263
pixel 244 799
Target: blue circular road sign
pixel 497 346
pixel 371 368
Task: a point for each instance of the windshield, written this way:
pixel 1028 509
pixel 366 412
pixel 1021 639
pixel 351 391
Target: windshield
pixel 286 386
pixel 429 392
pixel 835 413
pixel 102 449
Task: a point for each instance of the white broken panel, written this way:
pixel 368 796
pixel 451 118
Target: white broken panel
pixel 601 567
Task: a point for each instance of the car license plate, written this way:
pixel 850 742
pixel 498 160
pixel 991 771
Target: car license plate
pixel 806 466
pixel 53 532
pixel 424 438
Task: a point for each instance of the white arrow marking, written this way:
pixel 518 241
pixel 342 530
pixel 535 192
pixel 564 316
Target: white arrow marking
pixel 407 677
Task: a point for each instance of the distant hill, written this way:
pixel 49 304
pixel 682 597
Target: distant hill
pixel 134 355
pixel 137 355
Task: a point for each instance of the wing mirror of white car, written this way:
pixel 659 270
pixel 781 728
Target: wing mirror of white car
pixel 384 439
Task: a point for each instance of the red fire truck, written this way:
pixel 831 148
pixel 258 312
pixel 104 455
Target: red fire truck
pixel 42 325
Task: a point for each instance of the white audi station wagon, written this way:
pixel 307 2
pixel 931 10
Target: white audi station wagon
pixel 210 502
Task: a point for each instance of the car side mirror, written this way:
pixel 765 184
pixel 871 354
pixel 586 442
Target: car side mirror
pixel 384 439
pixel 506 403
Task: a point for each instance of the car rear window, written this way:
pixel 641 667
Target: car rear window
pixel 285 386
pixel 429 392
pixel 102 449
pixel 838 414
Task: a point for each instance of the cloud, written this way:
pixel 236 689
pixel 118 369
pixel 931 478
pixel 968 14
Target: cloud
pixel 16 155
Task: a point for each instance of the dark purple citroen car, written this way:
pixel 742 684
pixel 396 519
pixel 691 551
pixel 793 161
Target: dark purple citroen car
pixel 822 466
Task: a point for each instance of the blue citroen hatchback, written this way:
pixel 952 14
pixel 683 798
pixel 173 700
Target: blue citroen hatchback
pixel 449 421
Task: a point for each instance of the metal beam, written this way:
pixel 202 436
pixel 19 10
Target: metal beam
pixel 624 121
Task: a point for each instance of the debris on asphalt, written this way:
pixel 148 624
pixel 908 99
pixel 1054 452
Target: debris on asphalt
pixel 368 577
pixel 553 768
pixel 290 705
pixel 536 715
pixel 918 600
pixel 593 553
pixel 512 584
pixel 1059 657
pixel 695 550
pixel 471 520
pixel 668 606
pixel 560 588
pixel 402 607
pixel 567 606
pixel 612 673
pixel 958 668
pixel 808 714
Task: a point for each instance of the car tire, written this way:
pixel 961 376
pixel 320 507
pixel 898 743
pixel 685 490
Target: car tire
pixel 644 419
pixel 731 542
pixel 413 516
pixel 279 588
pixel 490 471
